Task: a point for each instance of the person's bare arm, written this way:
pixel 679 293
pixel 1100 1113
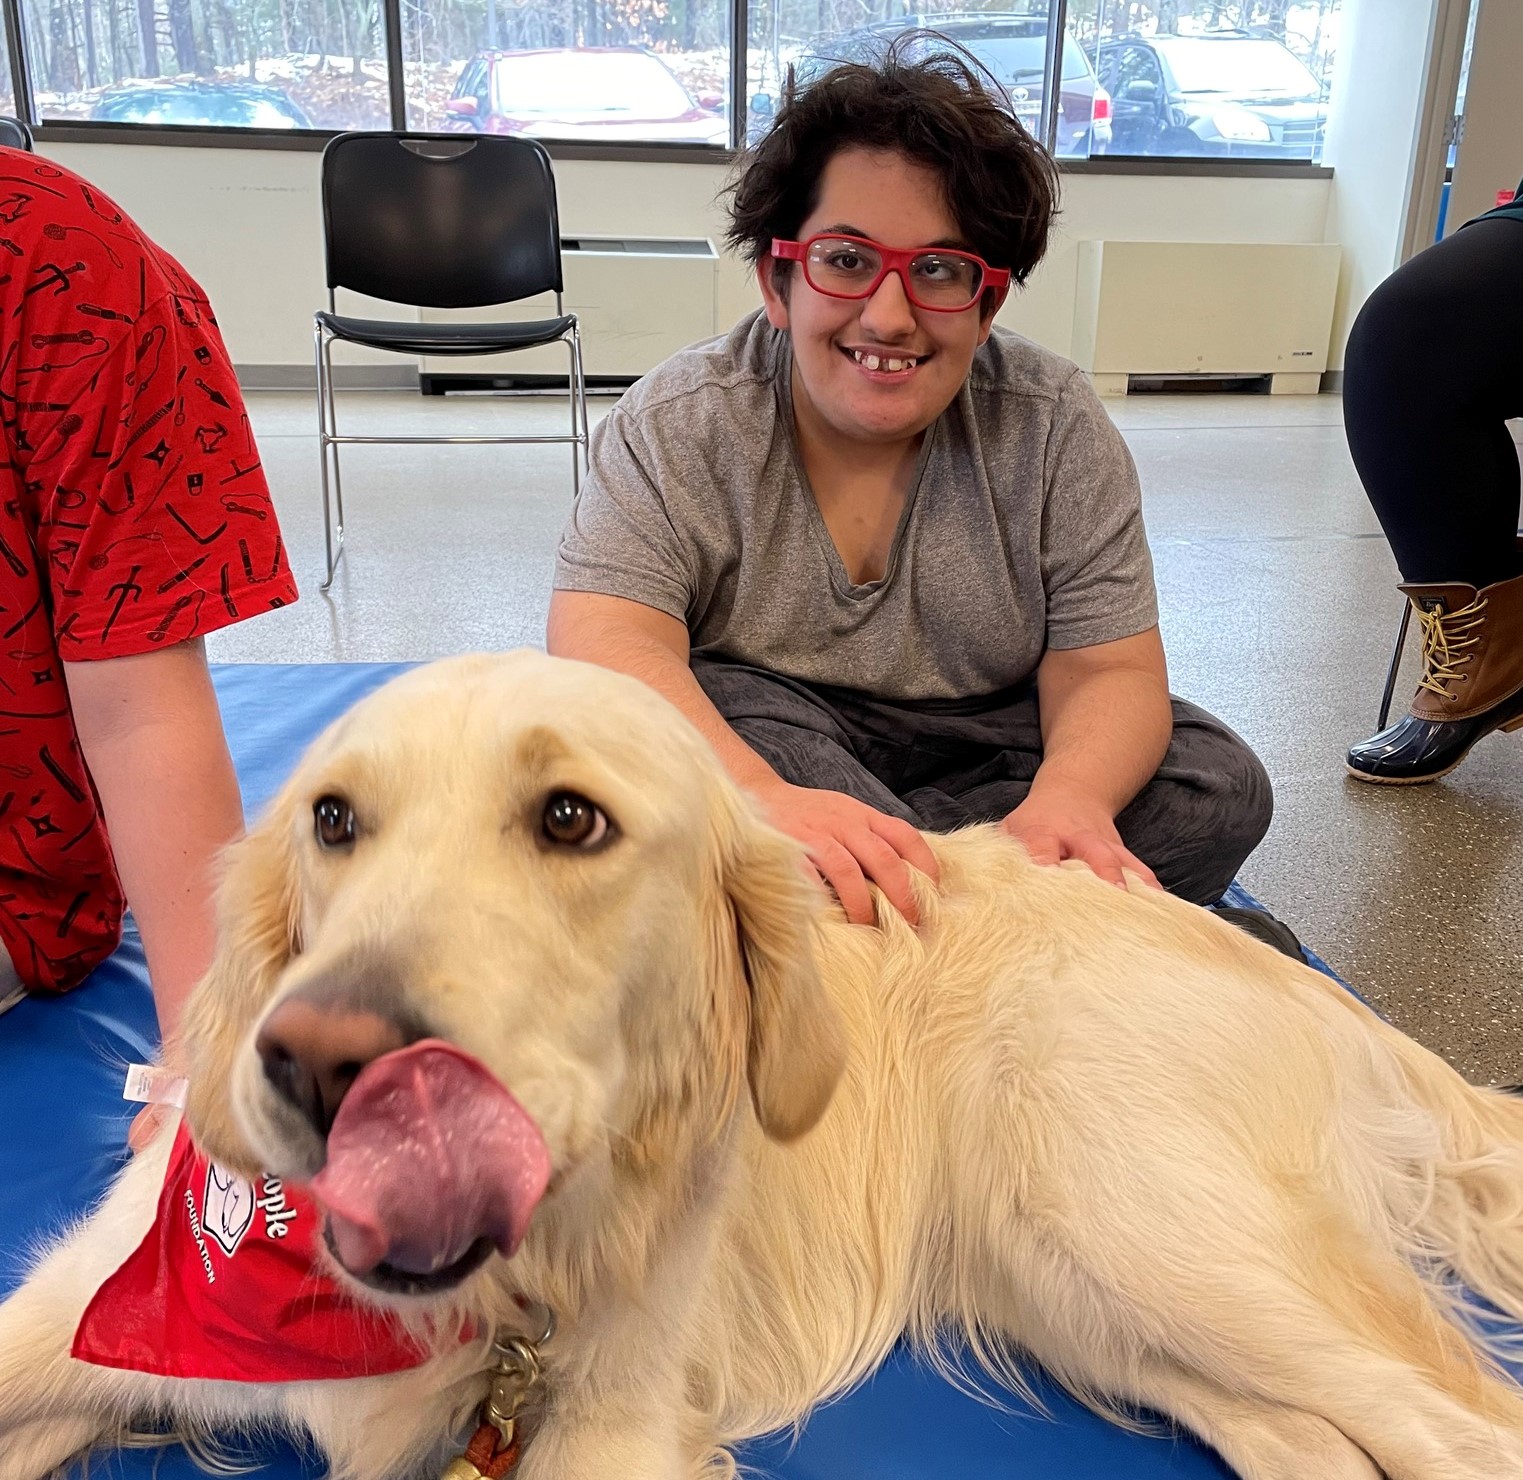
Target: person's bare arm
pixel 1106 723
pixel 847 841
pixel 152 737
pixel 649 645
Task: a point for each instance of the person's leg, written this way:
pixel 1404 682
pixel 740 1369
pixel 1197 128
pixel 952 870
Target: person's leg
pixel 1205 810
pixel 796 731
pixel 944 766
pixel 1434 369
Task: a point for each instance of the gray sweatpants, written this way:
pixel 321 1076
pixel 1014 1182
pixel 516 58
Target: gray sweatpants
pixel 941 764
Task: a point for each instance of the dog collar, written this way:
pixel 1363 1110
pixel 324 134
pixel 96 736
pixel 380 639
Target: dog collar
pixel 517 1377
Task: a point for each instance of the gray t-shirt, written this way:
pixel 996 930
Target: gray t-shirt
pixel 1022 531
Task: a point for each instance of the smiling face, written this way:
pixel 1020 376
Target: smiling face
pixel 845 387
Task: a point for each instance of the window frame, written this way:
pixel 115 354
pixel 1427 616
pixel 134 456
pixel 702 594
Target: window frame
pixel 315 140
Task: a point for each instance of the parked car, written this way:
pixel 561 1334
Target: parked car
pixel 1224 92
pixel 205 103
pixel 590 92
pixel 1011 47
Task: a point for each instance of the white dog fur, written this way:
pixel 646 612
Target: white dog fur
pixel 1092 1125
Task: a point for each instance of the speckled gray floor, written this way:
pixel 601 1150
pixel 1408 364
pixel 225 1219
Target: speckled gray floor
pixel 1279 609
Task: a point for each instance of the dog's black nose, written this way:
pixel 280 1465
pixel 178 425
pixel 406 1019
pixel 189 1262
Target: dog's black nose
pixel 313 1052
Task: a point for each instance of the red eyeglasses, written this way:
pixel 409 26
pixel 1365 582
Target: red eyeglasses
pixel 934 278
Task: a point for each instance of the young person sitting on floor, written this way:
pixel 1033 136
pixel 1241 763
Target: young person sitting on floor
pixel 136 521
pixel 890 559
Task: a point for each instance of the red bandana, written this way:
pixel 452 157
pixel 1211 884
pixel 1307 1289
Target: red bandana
pixel 226 1285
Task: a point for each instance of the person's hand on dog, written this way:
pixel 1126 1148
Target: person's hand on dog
pixel 850 843
pixel 1058 824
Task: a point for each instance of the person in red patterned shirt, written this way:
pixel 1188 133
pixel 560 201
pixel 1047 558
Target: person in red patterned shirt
pixel 136 520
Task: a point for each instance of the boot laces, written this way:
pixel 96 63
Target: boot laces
pixel 1445 637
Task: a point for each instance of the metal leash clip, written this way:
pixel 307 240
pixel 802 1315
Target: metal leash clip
pixel 516 1375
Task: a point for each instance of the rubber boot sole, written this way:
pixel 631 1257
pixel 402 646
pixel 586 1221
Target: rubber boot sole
pixel 1511 725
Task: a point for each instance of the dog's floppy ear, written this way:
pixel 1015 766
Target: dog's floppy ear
pixel 257 935
pixel 796 1049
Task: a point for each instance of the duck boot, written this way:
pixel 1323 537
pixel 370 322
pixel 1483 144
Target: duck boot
pixel 1472 683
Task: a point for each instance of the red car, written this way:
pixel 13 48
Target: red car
pixel 590 93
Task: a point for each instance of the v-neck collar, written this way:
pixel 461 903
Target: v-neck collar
pixel 840 579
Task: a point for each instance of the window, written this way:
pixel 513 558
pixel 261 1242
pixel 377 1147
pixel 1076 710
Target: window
pixel 1201 78
pixel 1181 78
pixel 632 71
pixel 1009 44
pixel 1457 126
pixel 7 91
pixel 176 63
pixel 1211 78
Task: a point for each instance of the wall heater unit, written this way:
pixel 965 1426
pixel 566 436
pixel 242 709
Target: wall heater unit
pixel 1204 309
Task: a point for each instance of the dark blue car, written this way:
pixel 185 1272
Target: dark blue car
pixel 1222 93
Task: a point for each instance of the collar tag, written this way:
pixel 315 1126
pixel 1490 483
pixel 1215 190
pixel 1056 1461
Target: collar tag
pixel 152 1084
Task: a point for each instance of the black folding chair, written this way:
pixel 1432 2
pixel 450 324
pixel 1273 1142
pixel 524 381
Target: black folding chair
pixel 14 134
pixel 1390 688
pixel 440 221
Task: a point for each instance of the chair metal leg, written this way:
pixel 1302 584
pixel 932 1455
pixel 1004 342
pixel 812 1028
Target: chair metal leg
pixel 329 441
pixel 576 467
pixel 338 479
pixel 323 444
pixel 327 418
pixel 579 424
pixel 1401 642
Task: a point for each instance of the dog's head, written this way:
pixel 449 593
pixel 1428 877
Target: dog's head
pixel 508 932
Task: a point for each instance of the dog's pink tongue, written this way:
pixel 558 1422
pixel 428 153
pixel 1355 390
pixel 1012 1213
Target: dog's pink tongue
pixel 428 1153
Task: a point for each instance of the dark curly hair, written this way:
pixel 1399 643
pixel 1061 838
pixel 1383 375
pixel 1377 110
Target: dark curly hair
pixel 938 108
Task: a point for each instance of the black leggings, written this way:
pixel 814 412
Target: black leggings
pixel 1434 369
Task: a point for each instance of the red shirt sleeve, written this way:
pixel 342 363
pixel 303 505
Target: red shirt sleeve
pixel 152 513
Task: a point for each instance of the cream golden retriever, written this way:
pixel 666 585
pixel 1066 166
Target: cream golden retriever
pixel 739 1147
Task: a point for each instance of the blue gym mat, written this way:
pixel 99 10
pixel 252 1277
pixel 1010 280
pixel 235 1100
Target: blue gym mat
pixel 65 1123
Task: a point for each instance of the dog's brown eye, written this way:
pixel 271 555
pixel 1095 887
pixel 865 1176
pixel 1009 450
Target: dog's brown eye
pixel 335 821
pixel 573 821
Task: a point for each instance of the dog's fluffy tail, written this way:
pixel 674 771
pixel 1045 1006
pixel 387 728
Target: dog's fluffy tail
pixel 1463 1203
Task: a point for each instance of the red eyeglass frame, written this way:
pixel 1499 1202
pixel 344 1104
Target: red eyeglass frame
pixel 896 260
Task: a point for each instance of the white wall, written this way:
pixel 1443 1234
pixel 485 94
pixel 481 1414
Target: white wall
pixel 247 224
pixel 1391 57
pixel 1166 208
